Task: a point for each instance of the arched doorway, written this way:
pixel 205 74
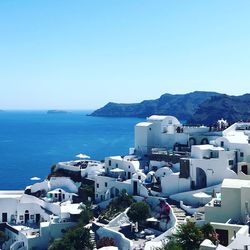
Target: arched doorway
pixel 204 141
pixel 201 178
pixel 26 216
pixel 192 141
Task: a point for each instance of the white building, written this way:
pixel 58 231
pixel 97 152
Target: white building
pixel 207 166
pixel 167 132
pixel 33 222
pixel 229 212
pixel 128 164
pixel 233 204
pixel 236 137
pixel 85 168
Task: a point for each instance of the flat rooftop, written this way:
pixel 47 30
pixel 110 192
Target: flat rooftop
pixel 11 193
pixel 235 183
pixel 144 124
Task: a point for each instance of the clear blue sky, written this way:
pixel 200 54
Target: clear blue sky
pixel 83 54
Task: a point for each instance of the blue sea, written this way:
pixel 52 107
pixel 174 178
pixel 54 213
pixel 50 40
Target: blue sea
pixel 32 141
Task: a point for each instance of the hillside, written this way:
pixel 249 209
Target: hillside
pixel 232 108
pixel 182 106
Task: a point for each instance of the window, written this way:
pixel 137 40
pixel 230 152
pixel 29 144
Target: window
pixel 116 165
pixel 244 169
pixel 97 185
pixel 241 154
pixel 32 217
pixel 139 177
pixel 109 162
pixel 230 162
pixel 128 166
pixel 222 143
pixel 56 195
pixel 102 197
pixel 106 184
pixel 21 217
pixel 63 196
pixel 149 128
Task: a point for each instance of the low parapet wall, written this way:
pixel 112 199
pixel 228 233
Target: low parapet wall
pixel 189 199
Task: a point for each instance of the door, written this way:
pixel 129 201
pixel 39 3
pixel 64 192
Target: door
pixel 26 216
pixel 4 217
pixel 135 188
pixel 201 178
pixel 129 175
pixel 60 197
pixel 223 236
pixel 37 218
pixel 244 169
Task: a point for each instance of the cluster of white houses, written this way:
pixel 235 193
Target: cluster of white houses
pixel 191 164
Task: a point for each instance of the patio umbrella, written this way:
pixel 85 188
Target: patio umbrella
pixel 82 156
pixel 202 196
pixel 35 178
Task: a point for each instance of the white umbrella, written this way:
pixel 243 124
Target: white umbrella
pixel 82 156
pixel 35 178
pixel 201 195
pixel 116 170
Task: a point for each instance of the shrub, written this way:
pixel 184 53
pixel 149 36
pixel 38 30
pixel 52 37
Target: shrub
pixel 117 205
pixel 77 238
pixel 105 242
pixel 139 211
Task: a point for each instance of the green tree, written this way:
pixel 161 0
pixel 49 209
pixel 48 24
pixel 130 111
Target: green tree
pixel 77 238
pixel 139 211
pixel 86 214
pixel 188 236
pixel 117 205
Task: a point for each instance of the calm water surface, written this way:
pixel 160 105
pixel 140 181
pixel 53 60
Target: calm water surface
pixel 32 141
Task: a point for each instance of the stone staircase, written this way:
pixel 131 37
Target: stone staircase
pixel 180 214
pixel 178 211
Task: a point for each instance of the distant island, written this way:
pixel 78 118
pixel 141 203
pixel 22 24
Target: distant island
pixel 196 107
pixel 55 111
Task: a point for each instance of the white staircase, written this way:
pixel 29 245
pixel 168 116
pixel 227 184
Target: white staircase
pixel 180 214
pixel 92 239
